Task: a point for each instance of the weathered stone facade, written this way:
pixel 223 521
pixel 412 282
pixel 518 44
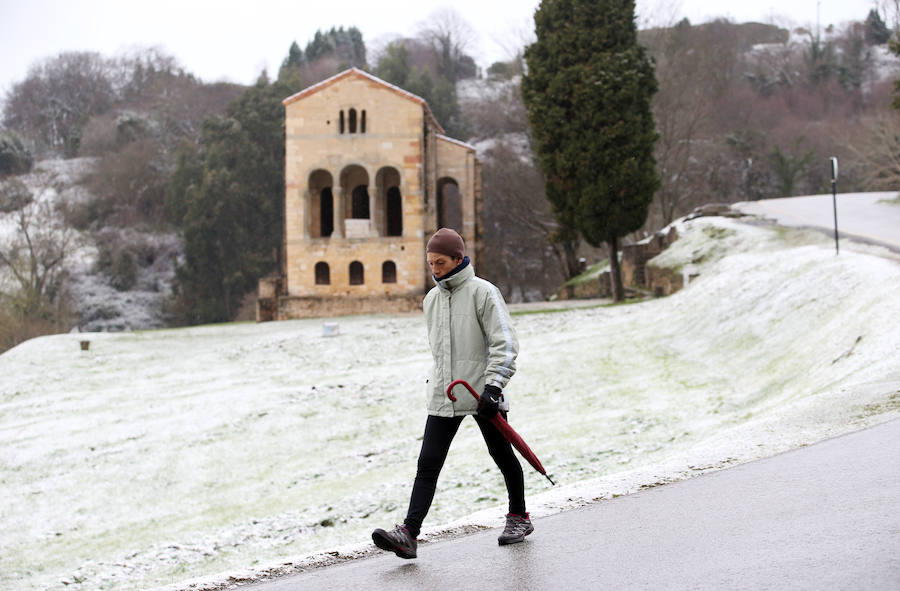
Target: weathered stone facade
pixel 369 177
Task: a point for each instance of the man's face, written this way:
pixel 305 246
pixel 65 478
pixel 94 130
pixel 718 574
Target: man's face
pixel 441 264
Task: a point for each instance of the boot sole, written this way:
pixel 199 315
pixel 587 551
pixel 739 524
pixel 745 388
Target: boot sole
pixel 381 540
pixel 507 542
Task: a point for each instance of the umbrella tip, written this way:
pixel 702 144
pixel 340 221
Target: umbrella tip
pixel 551 481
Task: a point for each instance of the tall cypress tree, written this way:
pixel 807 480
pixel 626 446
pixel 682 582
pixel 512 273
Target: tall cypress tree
pixel 588 91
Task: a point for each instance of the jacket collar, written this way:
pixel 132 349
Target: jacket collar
pixel 456 277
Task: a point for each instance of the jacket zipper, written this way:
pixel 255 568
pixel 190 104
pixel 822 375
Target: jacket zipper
pixel 450 341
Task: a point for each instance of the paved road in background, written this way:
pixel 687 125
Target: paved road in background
pixel 864 216
pixel 825 516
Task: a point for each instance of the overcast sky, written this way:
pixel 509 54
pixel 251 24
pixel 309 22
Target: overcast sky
pixel 235 40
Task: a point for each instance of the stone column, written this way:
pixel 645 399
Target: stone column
pixel 338 207
pixel 372 212
pixel 306 211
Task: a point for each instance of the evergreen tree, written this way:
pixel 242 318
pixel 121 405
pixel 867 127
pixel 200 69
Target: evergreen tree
pixel 393 66
pixel 188 173
pixel 233 214
pixel 346 45
pixel 587 92
pixel 294 58
pixel 15 158
pixel 439 92
pixel 877 32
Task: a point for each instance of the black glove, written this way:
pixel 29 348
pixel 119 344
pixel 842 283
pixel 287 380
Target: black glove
pixel 489 403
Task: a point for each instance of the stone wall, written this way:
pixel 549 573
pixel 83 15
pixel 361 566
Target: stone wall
pixel 595 287
pixel 635 257
pixel 662 281
pixel 328 306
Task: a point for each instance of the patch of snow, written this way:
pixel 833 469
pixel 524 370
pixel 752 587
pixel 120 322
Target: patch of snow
pixel 518 141
pixel 481 89
pixel 885 65
pixel 105 308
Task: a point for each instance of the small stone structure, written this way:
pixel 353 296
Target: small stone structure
pixel 635 257
pixel 369 177
pixel 637 274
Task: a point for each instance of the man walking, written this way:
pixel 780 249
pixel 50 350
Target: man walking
pixel 471 338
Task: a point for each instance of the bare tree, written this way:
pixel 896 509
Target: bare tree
pixel 519 218
pixel 680 109
pixel 33 254
pixel 875 151
pixel 450 37
pixel 517 212
pixel 695 68
pixel 57 97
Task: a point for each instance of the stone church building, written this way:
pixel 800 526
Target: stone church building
pixel 369 176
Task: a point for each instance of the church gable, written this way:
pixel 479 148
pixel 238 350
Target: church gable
pixel 355 94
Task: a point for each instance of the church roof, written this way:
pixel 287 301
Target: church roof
pixel 455 141
pixel 357 73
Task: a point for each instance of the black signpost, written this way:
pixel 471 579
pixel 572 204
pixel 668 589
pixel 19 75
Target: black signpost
pixel 834 175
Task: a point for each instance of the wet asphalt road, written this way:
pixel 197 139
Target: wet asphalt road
pixel 822 517
pixel 863 216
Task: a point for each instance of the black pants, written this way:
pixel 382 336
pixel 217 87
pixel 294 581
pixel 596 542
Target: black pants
pixel 439 433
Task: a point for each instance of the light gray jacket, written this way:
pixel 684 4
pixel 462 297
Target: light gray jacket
pixel 471 338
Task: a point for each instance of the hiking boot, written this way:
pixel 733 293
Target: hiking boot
pixel 517 527
pixel 398 540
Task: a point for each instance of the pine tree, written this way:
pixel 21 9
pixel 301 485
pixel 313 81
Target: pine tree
pixel 393 66
pixel 587 92
pixel 877 32
pixel 346 45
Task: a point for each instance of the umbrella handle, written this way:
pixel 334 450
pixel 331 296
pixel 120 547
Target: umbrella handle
pixel 464 383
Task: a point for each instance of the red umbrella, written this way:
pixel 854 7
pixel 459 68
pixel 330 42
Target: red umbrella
pixel 514 438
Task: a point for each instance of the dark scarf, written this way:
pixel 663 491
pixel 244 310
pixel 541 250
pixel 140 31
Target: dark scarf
pixel 457 269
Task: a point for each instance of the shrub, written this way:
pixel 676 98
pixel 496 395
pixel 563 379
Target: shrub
pixel 14 195
pixel 15 158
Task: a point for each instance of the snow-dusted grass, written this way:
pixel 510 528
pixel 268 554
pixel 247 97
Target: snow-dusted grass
pixel 163 456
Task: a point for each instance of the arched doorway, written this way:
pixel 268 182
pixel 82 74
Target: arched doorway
pixel 356 206
pixel 359 208
pixel 394 212
pixel 389 202
pixel 321 204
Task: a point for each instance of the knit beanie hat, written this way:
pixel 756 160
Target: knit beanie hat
pixel 448 242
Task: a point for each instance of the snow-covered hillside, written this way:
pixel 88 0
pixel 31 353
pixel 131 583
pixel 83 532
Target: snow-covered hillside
pixel 155 458
pixel 97 304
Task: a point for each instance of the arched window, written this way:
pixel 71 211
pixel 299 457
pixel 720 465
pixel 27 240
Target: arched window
pixel 326 209
pixel 341 123
pixel 449 204
pixel 323 274
pixel 394 212
pixel 356 273
pixel 362 122
pixel 388 272
pixel 360 206
pixel 352 120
